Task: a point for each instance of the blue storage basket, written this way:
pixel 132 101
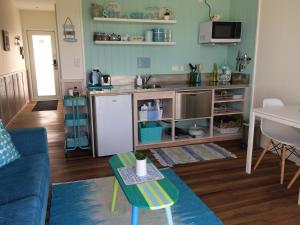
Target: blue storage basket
pixel 74 101
pixel 151 133
pixel 81 140
pixel 71 121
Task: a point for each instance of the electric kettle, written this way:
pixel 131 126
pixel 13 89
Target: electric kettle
pixel 94 77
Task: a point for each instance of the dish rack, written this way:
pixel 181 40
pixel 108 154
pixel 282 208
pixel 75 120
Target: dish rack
pixel 76 123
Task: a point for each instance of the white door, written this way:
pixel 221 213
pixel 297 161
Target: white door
pixel 43 65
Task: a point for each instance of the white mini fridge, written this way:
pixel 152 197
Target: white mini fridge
pixel 113 124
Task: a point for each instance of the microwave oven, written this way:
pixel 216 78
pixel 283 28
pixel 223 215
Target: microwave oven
pixel 220 32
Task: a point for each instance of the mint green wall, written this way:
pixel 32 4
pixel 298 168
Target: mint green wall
pixel 246 12
pixel 122 60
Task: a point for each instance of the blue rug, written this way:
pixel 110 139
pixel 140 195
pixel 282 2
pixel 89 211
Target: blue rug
pixel 88 202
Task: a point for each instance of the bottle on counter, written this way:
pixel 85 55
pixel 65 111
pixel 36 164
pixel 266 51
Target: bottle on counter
pixel 139 81
pixel 158 109
pixel 214 73
pixel 143 113
pixel 150 106
pixel 76 92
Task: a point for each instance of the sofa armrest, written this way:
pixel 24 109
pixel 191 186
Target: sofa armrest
pixel 30 141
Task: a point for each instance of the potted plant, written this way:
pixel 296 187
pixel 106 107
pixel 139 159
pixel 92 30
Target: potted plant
pixel 167 15
pixel 141 164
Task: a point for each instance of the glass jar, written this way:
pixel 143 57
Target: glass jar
pixel 76 92
pixel 168 35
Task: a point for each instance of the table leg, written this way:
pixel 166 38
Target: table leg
pixel 135 216
pixel 283 151
pixel 114 195
pixel 169 215
pixel 250 142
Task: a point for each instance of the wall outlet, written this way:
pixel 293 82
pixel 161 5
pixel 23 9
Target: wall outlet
pixel 175 68
pixel 183 68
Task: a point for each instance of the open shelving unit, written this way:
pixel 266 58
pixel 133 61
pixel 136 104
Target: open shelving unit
pixel 127 20
pixel 134 21
pixel 236 108
pixel 166 122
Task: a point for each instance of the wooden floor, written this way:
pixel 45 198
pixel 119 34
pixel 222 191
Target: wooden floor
pixel 236 198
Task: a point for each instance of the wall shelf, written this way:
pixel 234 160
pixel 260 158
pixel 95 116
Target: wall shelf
pixel 230 100
pixel 134 43
pixel 160 120
pixel 228 113
pixel 123 20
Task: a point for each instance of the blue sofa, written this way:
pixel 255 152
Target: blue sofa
pixel 24 183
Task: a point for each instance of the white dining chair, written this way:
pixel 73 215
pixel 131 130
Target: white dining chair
pixel 281 137
pixel 297 174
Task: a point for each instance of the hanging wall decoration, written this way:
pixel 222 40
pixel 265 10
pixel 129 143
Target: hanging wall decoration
pixel 69 31
pixel 5 37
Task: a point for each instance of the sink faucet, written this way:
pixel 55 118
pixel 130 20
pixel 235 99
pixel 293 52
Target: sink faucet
pixel 242 61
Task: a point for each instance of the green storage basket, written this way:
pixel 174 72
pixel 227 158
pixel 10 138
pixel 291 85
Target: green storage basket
pixel 151 133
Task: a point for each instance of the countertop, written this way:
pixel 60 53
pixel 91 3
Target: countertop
pixel 130 88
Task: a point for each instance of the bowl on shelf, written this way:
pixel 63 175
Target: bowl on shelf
pixel 196 131
pixel 136 38
pixel 230 130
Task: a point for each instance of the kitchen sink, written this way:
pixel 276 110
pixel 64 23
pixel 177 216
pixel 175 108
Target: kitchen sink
pixel 151 86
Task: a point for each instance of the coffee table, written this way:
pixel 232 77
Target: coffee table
pixel 153 195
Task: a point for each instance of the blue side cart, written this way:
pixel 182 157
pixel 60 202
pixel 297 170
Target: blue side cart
pixel 76 123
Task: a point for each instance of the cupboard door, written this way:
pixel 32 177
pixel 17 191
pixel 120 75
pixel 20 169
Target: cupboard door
pixel 4 111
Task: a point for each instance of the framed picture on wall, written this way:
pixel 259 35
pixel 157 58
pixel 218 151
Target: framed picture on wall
pixel 5 37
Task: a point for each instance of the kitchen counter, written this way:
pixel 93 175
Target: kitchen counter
pixel 166 92
pixel 125 89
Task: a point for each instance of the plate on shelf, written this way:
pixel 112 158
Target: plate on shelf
pixel 136 38
pixel 232 130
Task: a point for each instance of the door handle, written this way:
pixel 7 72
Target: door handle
pixel 55 63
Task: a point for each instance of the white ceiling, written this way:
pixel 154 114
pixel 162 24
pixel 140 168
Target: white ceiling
pixel 47 5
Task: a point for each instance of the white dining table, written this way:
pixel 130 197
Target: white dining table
pixel 287 115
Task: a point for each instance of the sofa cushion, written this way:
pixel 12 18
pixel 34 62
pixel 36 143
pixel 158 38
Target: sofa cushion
pixel 26 211
pixel 27 176
pixel 8 151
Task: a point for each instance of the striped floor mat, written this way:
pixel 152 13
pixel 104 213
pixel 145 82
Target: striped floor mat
pixel 190 153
